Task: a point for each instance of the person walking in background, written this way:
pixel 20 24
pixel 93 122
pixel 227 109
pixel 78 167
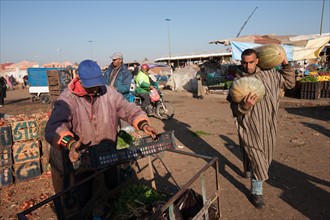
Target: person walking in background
pixel 86 115
pixel 256 122
pixel 3 91
pixel 118 76
pixel 25 80
pixel 200 85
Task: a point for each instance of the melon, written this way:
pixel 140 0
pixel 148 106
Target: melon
pixel 243 86
pixel 270 55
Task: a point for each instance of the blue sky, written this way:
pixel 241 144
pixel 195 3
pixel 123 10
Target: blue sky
pixel 35 30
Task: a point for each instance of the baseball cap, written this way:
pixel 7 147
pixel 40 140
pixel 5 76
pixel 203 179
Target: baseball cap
pixel 90 74
pixel 117 55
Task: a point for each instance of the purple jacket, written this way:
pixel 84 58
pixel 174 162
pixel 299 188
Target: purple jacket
pixel 94 119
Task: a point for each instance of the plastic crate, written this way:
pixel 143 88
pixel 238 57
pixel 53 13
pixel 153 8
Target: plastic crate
pixel 65 209
pixel 310 90
pixel 325 89
pixel 105 155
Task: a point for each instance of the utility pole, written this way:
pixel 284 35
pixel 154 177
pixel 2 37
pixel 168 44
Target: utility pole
pixel 322 18
pixel 169 42
pixel 246 22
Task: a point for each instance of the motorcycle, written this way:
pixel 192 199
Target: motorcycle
pixel 160 108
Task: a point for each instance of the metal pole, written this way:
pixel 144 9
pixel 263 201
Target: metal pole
pixel 90 41
pixel 246 22
pixel 169 42
pixel 322 17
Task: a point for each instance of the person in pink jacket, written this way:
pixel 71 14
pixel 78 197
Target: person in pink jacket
pixel 86 115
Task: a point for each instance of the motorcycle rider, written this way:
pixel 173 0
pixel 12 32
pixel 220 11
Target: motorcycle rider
pixel 144 84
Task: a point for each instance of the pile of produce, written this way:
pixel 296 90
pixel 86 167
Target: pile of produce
pixel 270 55
pixel 135 202
pixel 323 75
pixel 309 78
pixel 316 76
pixel 243 86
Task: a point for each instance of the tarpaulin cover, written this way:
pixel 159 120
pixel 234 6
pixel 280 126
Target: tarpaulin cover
pixel 303 46
pixel 239 47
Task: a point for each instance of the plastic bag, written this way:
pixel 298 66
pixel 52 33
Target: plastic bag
pixel 154 95
pixel 190 203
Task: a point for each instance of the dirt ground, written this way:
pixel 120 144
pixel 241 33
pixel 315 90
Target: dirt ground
pixel 299 184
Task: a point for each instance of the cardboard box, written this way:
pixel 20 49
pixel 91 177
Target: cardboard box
pixel 24 151
pixel 5 136
pixel 24 130
pixel 6 176
pixel 27 170
pixel 45 165
pixel 41 128
pixel 45 148
pixel 5 157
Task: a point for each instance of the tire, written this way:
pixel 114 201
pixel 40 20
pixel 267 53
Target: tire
pixel 164 110
pixel 44 99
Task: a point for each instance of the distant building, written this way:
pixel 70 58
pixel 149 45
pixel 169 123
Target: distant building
pixel 17 70
pixel 197 58
pixel 58 65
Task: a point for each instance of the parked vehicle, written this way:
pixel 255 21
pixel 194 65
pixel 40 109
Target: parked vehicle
pixel 38 83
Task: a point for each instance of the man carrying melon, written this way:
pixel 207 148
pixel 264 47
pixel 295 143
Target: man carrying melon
pixel 254 100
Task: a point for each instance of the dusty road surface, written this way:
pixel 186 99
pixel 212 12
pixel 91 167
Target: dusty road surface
pixel 299 184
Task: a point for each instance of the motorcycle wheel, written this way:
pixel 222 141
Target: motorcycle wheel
pixel 164 110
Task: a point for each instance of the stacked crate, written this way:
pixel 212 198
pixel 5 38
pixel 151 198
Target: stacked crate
pixel 45 146
pixel 325 89
pixel 58 80
pixel 310 90
pixel 6 172
pixel 25 150
pixel 24 153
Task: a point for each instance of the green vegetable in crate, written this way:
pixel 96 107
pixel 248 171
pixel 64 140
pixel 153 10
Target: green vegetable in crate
pixel 309 79
pixel 124 139
pixel 243 86
pixel 270 55
pixel 136 201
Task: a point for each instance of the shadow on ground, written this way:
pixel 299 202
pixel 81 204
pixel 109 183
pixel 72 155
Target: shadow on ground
pixel 300 190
